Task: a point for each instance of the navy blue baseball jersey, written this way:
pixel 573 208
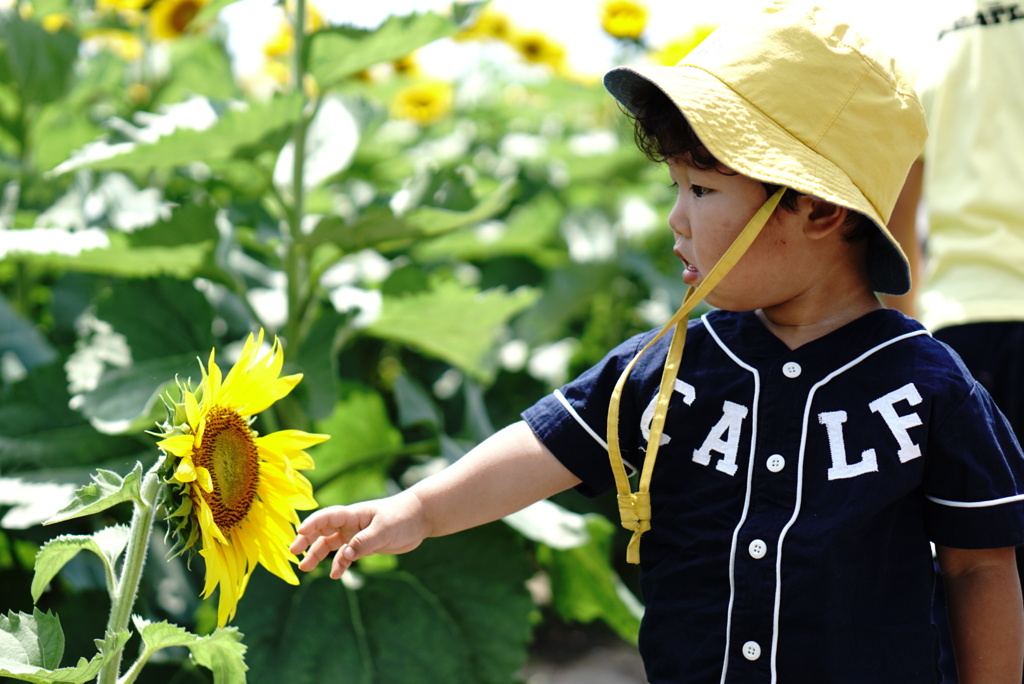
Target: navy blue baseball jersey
pixel 795 495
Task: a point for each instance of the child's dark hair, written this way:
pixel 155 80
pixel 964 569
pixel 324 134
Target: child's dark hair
pixel 663 133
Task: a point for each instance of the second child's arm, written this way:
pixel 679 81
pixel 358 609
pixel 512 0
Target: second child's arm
pixel 986 614
pixel 505 473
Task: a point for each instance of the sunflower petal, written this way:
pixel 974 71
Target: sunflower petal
pixel 185 472
pixel 177 445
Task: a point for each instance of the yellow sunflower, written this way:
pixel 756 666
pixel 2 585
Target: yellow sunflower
pixel 623 18
pixel 489 25
pixel 406 66
pixel 538 48
pixel 424 102
pixel 169 19
pixel 124 44
pixel 232 493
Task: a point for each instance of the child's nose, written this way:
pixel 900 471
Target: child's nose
pixel 678 223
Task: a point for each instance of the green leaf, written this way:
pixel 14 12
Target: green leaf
pixel 456 611
pixel 379 226
pixel 127 400
pixel 238 132
pixel 181 247
pixel 450 322
pixel 415 405
pixel 106 489
pixel 198 66
pixel 585 586
pixel 366 443
pixel 38 430
pixel 222 652
pixel 337 53
pixel 107 543
pixel 531 230
pixel 165 304
pixel 550 524
pixel 35 639
pixel 20 336
pixel 41 63
pixel 43 627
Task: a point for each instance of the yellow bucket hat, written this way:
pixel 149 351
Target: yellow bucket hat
pixel 794 96
pixel 790 97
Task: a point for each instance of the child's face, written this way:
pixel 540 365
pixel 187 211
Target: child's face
pixel 711 209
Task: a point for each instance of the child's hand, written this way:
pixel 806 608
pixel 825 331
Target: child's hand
pixel 392 525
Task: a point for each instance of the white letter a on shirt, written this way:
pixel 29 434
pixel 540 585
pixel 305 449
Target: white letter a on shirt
pixel 724 438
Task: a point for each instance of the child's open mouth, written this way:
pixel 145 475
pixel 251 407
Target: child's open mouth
pixel 690 274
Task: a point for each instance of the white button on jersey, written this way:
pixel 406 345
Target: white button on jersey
pixel 757 548
pixel 791 369
pixel 751 650
pixel 776 463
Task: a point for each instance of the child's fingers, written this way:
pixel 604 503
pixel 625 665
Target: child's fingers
pixel 319 550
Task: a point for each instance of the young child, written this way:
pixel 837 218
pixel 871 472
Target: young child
pixel 812 443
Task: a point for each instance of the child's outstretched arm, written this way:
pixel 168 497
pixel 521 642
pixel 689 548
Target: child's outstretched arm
pixel 986 613
pixel 506 472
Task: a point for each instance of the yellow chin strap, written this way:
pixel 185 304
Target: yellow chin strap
pixel 635 507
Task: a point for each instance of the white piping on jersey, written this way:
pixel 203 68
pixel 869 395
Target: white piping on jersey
pixel 799 488
pixel 976 504
pixel 630 468
pixel 746 498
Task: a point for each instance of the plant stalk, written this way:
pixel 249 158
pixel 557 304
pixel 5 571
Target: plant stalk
pixel 135 559
pixel 295 258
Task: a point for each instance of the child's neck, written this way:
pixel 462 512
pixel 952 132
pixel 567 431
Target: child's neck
pixel 796 324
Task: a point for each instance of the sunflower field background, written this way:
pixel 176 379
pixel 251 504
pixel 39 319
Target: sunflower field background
pixel 434 256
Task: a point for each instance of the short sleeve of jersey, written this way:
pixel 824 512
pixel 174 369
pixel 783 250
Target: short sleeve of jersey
pixel 572 422
pixel 974 480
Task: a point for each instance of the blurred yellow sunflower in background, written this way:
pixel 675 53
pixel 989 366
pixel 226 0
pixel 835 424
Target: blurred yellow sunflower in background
pixel 233 494
pixel 424 102
pixel 538 48
pixel 169 19
pixel 623 18
pixel 124 44
pixel 674 51
pixel 489 25
pixel 406 66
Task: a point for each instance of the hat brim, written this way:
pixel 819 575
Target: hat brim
pixel 748 141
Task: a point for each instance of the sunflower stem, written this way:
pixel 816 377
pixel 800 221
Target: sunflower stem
pixel 127 585
pixel 295 261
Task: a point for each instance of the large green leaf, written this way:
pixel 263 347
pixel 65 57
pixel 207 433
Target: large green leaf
pixel 222 652
pixel 39 62
pixel 180 247
pixel 340 52
pixel 240 131
pixel 318 361
pixel 107 544
pixel 456 611
pixel 19 336
pixel 531 230
pixel 31 647
pixel 585 586
pixel 198 66
pixel 106 489
pixel 38 430
pixel 453 323
pixel 126 399
pixel 353 466
pixel 380 226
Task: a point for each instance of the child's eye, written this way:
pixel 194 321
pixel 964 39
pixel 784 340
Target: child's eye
pixel 699 190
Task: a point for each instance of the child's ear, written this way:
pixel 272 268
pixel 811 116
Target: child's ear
pixel 823 218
